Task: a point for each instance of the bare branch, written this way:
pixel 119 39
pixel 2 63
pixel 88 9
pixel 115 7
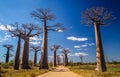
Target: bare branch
pixel 99 15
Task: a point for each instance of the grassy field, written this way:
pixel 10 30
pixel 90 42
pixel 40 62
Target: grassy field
pixel 21 72
pixel 87 70
pixel 6 70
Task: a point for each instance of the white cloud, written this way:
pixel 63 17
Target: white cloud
pixel 84 45
pixel 90 44
pixel 2 27
pixel 60 30
pixel 35 38
pixel 60 49
pixel 35 43
pixel 5 37
pixel 50 56
pixel 78 54
pixel 77 39
pixel 77 47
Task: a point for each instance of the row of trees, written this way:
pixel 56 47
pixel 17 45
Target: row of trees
pixel 96 16
pixel 26 31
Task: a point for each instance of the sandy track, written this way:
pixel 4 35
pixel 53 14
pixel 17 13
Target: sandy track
pixel 60 71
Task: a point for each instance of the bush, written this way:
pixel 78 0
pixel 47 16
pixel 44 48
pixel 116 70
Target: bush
pixel 71 63
pixel 10 63
pixel 6 66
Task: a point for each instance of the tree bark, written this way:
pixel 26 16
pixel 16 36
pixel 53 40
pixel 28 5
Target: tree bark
pixel 101 66
pixel 17 56
pixel 54 58
pixel 35 58
pixel 81 60
pixel 44 56
pixel 7 55
pixel 65 60
pixel 25 54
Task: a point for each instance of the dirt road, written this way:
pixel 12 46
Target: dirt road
pixel 60 71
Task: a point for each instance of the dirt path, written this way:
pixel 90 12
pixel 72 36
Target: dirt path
pixel 60 71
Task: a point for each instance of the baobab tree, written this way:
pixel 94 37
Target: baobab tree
pixel 65 57
pixel 35 49
pixel 81 58
pixel 16 32
pixel 45 15
pixel 58 59
pixel 54 48
pixel 97 16
pixel 9 47
pixel 30 30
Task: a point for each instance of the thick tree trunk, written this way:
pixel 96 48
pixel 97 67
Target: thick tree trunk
pixel 17 55
pixel 44 54
pixel 35 58
pixel 58 59
pixel 54 58
pixel 25 54
pixel 81 60
pixel 101 66
pixel 65 60
pixel 7 55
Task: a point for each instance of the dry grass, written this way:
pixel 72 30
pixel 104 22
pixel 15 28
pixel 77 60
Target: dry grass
pixel 21 73
pixel 88 70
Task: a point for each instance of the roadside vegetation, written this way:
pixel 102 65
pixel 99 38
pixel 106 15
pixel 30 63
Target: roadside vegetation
pixel 6 70
pixel 87 69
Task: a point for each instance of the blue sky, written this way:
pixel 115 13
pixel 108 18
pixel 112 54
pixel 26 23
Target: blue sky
pixel 67 12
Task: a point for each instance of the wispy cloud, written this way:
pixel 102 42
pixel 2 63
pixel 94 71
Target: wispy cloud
pixel 5 37
pixel 35 43
pixel 60 30
pixel 90 44
pixel 77 47
pixel 2 27
pixel 83 46
pixel 78 54
pixel 35 38
pixel 76 38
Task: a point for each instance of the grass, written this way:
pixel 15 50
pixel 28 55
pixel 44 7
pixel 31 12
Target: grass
pixel 21 73
pixel 113 70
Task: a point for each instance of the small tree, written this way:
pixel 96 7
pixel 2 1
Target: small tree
pixel 97 16
pixel 65 57
pixel 35 49
pixel 45 15
pixel 9 47
pixel 54 48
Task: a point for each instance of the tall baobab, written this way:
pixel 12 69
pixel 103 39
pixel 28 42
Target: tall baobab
pixel 30 30
pixel 65 57
pixel 45 15
pixel 58 59
pixel 81 58
pixel 54 48
pixel 16 32
pixel 35 49
pixel 9 47
pixel 97 16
